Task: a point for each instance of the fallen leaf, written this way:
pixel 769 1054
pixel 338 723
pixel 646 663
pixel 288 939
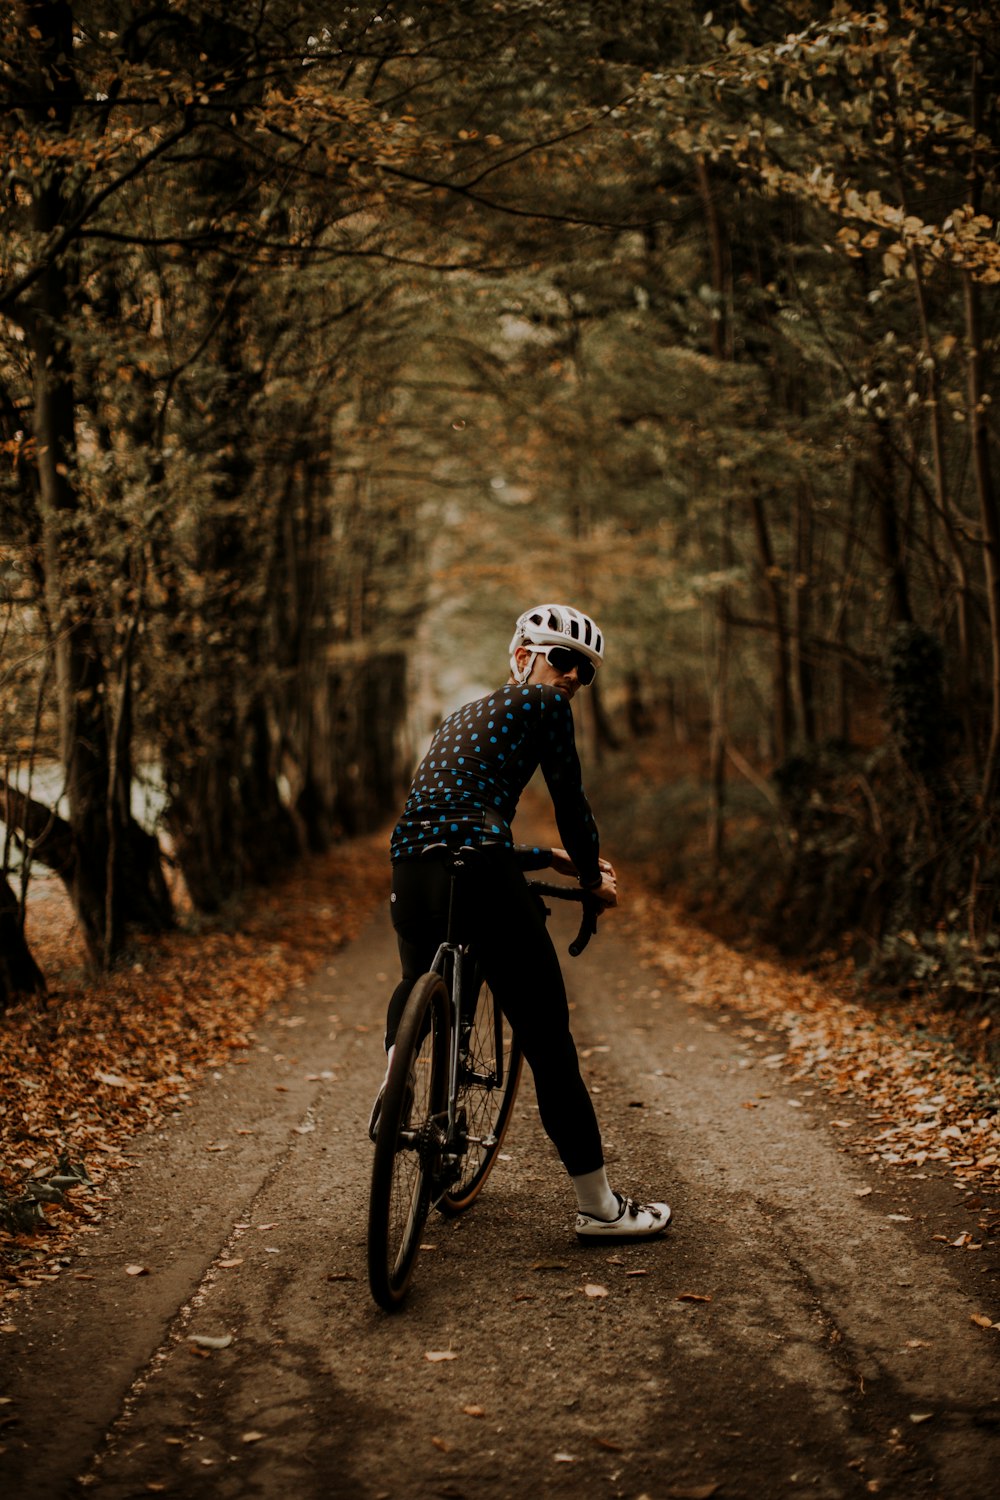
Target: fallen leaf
pixel 211 1341
pixel 565 1458
pixel 636 1273
pixel 920 1416
pixel 981 1320
pixel 441 1444
pixel 609 1445
pixel 692 1297
pixel 8 1327
pixel 113 1080
pixel 437 1355
pixel 136 1270
pixel 593 1290
pixel 473 1411
pixel 341 1276
pixel 900 1218
pixel 252 1437
pixel 862 1192
pixel 227 1265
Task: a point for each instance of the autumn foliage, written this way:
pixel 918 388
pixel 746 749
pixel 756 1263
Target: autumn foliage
pixel 329 339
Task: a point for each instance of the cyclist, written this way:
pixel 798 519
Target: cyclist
pixel 465 792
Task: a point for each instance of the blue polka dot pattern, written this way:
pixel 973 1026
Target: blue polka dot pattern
pixel 476 804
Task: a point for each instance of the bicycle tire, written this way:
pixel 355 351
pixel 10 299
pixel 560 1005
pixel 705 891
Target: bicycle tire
pixel 487 1087
pixel 407 1147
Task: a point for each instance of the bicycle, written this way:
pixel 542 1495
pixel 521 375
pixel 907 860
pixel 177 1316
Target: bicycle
pixel 448 1097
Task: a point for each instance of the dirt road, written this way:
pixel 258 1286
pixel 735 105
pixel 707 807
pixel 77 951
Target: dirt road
pixel 793 1335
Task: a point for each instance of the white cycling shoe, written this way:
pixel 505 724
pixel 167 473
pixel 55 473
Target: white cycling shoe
pixel 634 1221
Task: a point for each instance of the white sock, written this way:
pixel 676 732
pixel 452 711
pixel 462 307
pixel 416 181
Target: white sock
pixel 594 1195
pixel 388 1063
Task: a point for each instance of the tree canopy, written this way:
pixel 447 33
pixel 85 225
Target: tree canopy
pixel 326 338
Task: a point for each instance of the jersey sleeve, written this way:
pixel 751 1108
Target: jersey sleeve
pixel 532 856
pixel 560 765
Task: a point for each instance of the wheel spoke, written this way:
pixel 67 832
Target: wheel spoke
pixel 488 1077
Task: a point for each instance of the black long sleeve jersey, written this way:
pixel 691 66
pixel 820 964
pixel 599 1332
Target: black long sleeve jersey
pixel 467 787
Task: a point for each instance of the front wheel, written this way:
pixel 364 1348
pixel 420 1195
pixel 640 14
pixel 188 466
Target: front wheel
pixel 409 1141
pixel 488 1074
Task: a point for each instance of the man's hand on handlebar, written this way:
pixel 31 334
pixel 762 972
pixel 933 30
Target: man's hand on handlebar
pixel 606 893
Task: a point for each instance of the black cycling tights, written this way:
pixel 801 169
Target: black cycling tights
pixel 498 915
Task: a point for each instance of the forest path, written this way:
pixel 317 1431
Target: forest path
pixel 787 1337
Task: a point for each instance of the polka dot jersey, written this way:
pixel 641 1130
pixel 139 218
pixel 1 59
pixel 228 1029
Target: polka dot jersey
pixel 467 787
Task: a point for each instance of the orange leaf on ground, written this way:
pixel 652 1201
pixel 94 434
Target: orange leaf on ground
pixel 188 1003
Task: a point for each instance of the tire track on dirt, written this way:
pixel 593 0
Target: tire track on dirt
pixel 826 1325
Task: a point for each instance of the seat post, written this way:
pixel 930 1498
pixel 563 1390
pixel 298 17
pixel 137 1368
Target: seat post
pixel 456 863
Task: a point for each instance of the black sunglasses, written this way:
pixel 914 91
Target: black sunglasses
pixel 564 659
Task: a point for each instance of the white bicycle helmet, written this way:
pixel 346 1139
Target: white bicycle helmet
pixel 555 625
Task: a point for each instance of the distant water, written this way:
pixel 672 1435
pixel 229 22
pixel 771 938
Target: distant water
pixel 48 786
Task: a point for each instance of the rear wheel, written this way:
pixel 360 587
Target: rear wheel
pixel 488 1074
pixel 408 1144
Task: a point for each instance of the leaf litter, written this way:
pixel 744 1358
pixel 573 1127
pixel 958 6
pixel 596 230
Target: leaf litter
pixel 921 1071
pixel 101 1059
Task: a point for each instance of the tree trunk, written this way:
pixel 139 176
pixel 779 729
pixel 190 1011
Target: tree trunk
pixel 19 973
pixel 771 576
pixel 883 486
pixel 718 738
pixel 800 668
pixel 604 734
pixel 981 463
pixel 942 513
pixel 95 821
